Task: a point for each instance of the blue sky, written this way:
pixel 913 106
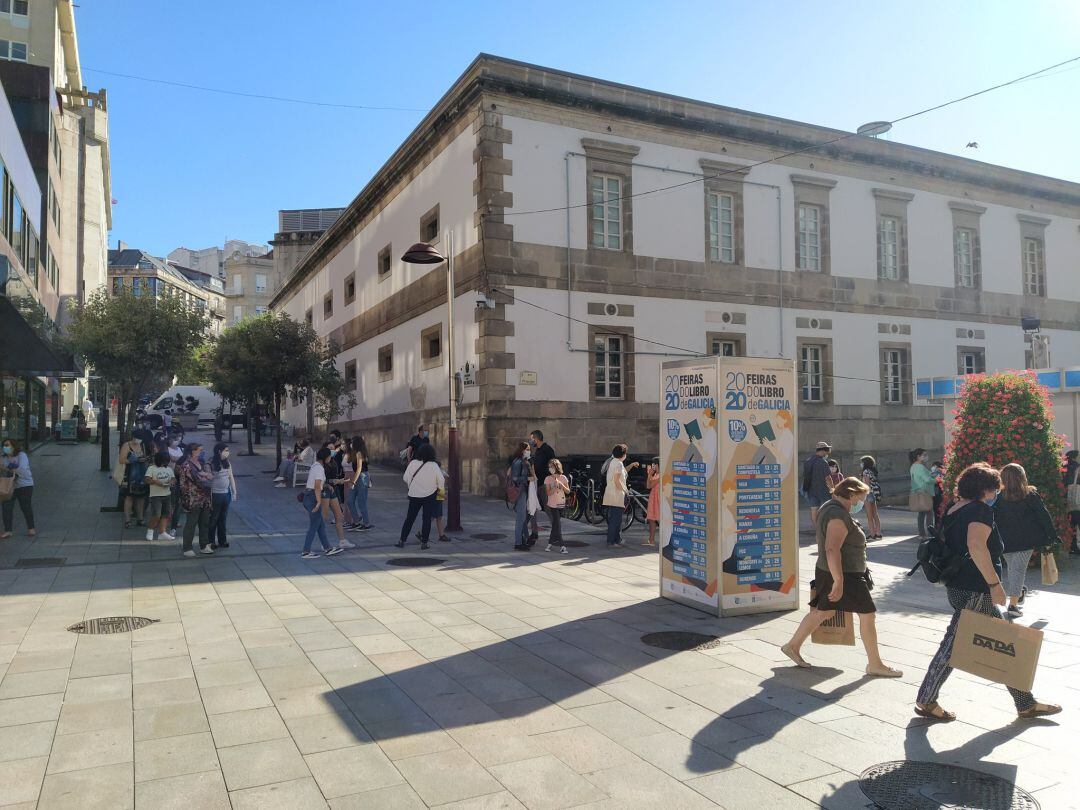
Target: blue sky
pixel 194 168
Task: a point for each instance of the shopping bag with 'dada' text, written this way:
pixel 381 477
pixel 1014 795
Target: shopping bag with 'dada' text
pixel 1000 651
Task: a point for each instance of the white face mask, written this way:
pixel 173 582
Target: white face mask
pixel 224 453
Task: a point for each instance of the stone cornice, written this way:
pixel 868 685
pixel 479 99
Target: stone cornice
pixel 966 207
pixel 892 194
pixel 810 180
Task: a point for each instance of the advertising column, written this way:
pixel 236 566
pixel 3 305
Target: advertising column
pixel 689 529
pixel 758 479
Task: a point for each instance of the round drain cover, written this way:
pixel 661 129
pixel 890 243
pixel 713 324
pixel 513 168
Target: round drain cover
pixel 111 624
pixel 682 641
pixel 932 785
pixel 415 562
pixel 488 536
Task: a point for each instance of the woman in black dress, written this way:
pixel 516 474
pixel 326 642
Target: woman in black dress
pixel 841 578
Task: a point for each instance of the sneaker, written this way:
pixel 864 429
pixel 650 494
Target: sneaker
pixel 346 544
pixel 620 544
pixel 424 545
pixel 365 527
pixel 165 536
pixel 309 555
pixel 279 478
pixel 149 534
pixel 281 486
pixel 189 553
pixel 563 550
pixel 333 551
pixel 548 547
pixel 207 550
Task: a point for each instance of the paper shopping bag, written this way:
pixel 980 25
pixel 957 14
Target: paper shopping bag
pixel 1000 651
pixel 1049 569
pixel 837 630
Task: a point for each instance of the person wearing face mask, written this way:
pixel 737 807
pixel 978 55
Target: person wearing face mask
pixel 541 455
pixel 421 438
pixel 520 474
pixel 16 464
pixel 176 455
pixel 969 531
pixel 195 477
pixel 840 578
pixel 222 493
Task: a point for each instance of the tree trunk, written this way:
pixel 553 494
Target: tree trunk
pixel 277 416
pixel 311 415
pixel 251 447
pixel 230 420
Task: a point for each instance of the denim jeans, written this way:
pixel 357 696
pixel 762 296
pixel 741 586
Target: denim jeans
pixel 358 499
pixel 316 524
pixel 614 524
pixel 219 510
pixel 521 518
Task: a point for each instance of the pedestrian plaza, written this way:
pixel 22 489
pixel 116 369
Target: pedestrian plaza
pixel 491 679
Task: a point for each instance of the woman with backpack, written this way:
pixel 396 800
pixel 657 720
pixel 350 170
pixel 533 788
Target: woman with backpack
pixel 968 530
pixel 870 478
pixel 518 480
pixel 840 578
pixel 425 479
pixel 1024 525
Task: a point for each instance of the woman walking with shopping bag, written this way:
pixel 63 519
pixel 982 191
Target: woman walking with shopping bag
pixel 921 500
pixel 18 488
pixel 968 527
pixel 1024 525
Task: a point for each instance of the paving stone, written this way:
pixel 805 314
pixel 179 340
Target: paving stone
pixel 352 770
pixel 174 756
pixel 78 717
pixel 583 748
pixel 641 785
pixel 298 793
pixel 169 721
pixel 161 669
pixel 35 662
pixel 430 776
pixel 91 749
pixel 20 779
pixel 151 695
pixel 326 732
pixel 204 791
pixel 261 763
pixel 248 726
pixel 740 787
pixel 25 684
pixel 97 688
pixel 234 697
pixel 395 797
pixel 546 783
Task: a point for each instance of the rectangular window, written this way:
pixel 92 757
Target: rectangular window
pixel 722 228
pixel 386 362
pixel 350 375
pixel 429 226
pixel 606 199
pixel 893 364
pixel 431 346
pixel 31 253
pixel 260 310
pixel 811 373
pixel 608 379
pixel 18 51
pixel 237 313
pixel 384 262
pixel 328 305
pixel 118 285
pixel 810 238
pixel 260 283
pixel 350 288
pixel 18 226
pixel 1034 276
pixel 889 247
pixel 724 348
pixel 972 361
pixel 21 7
pixel 136 286
pixel 964 257
pixel 238 284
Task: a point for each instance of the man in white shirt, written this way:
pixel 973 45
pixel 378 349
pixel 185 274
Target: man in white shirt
pixel 615 496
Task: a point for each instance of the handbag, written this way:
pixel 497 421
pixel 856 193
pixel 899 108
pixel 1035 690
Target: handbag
pixel 1073 493
pixel 1049 569
pixel 513 491
pixel 920 502
pixel 7 487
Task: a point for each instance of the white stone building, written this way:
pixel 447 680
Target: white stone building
pixel 613 227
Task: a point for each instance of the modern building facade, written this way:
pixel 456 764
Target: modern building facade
pixel 139 273
pixel 600 229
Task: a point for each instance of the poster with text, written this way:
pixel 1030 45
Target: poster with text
pixel 758 480
pixel 689 529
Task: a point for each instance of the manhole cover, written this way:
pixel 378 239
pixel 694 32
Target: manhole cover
pixel 488 536
pixel 111 624
pixel 679 640
pixel 575 543
pixel 415 562
pixel 39 562
pixel 932 785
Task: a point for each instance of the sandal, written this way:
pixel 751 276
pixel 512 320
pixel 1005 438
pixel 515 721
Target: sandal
pixel 884 672
pixel 1039 710
pixel 933 711
pixel 795 657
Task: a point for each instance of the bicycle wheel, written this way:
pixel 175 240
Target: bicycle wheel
pixel 628 516
pixel 574 507
pixel 639 511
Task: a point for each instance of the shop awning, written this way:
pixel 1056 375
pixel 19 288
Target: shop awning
pixel 24 353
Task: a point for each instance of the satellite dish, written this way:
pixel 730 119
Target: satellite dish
pixel 874 128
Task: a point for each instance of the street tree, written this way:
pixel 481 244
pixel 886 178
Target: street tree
pixel 270 357
pixel 331 397
pixel 135 343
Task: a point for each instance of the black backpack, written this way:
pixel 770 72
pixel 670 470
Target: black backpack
pixel 938 561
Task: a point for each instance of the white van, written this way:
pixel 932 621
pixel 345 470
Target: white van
pixel 179 399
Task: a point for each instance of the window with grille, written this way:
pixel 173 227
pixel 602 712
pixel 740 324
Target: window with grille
pixel 893 363
pixel 722 228
pixel 608 367
pixel 811 373
pixel 889 248
pixel 810 238
pixel 605 194
pixel 964 256
pixel 1034 272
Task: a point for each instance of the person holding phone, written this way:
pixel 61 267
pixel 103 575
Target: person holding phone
pixel 316 492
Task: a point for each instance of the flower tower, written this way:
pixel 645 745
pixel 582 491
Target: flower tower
pixel 1004 418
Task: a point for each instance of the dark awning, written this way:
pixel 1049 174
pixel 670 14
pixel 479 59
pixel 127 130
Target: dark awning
pixel 23 352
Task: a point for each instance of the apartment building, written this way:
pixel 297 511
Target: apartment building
pixel 139 273
pixel 600 229
pixel 251 282
pixel 212 260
